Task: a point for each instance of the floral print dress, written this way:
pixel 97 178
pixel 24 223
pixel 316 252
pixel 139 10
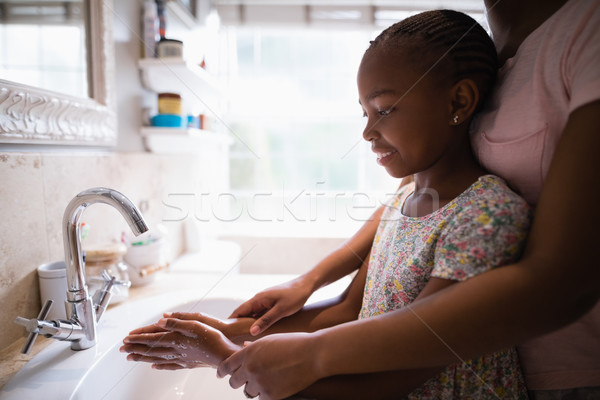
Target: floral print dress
pixel 483 228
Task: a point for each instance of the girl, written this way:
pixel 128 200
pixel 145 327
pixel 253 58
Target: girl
pixel 420 83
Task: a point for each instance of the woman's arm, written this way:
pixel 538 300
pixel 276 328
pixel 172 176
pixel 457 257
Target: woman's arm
pixel 555 283
pixel 376 386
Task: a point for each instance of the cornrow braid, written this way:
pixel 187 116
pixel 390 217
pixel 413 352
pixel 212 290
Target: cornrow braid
pixel 448 41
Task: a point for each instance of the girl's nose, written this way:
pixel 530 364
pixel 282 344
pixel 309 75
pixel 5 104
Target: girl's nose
pixel 370 132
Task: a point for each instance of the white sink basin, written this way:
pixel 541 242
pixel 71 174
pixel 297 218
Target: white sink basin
pixel 103 372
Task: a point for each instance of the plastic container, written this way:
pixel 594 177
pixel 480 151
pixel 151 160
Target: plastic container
pixel 193 122
pixel 110 258
pixel 169 121
pixel 53 286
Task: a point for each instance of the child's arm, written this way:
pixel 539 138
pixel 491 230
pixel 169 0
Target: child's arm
pixel 286 299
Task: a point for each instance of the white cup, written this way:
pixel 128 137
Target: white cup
pixel 53 286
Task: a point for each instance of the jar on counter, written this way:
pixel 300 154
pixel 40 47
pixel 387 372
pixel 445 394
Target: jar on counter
pixel 110 258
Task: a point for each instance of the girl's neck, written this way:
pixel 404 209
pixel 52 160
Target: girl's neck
pixel 442 183
pixel 511 21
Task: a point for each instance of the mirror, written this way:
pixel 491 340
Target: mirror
pixel 50 51
pixel 59 90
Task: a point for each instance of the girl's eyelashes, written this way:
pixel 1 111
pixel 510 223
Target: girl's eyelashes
pixel 381 113
pixel 384 113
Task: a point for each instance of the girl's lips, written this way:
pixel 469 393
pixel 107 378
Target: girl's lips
pixel 384 158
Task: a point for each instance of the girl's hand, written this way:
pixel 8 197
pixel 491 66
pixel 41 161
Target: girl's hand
pixel 271 305
pixel 175 343
pixel 274 367
pixel 235 329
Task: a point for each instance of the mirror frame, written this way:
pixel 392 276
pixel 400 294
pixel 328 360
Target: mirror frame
pixel 31 115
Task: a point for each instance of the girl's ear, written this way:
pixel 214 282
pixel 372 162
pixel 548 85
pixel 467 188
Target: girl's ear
pixel 464 97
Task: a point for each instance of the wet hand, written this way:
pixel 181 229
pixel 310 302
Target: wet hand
pixel 235 329
pixel 274 367
pixel 174 344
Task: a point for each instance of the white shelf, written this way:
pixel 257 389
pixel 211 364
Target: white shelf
pixel 175 75
pixel 184 141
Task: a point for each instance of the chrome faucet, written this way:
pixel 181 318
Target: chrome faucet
pixel 83 313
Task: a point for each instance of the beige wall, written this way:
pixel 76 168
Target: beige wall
pixel 282 255
pixel 35 189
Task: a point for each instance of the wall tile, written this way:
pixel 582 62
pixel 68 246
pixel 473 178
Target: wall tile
pixel 23 243
pixel 282 255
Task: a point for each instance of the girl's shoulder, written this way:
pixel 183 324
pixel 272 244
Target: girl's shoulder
pixel 491 195
pixel 494 188
pixel 485 227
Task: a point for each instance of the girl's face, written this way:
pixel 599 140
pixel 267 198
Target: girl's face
pixel 408 113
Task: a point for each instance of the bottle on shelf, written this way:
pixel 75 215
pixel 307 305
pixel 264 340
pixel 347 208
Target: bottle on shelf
pixel 162 18
pixel 149 29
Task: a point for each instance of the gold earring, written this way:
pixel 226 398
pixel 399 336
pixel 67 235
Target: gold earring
pixel 455 119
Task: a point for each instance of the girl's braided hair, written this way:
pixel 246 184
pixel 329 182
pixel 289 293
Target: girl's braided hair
pixel 450 43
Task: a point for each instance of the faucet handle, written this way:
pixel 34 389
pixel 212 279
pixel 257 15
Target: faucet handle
pixel 105 277
pixel 102 296
pixel 34 325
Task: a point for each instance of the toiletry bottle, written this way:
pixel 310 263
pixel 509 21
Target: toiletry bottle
pixel 162 18
pixel 150 29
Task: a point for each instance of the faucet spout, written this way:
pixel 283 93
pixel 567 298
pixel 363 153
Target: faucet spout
pixel 71 218
pixel 79 304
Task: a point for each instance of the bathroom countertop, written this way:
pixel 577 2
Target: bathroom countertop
pixel 213 284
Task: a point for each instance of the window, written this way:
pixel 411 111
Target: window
pixel 293 107
pixel 50 50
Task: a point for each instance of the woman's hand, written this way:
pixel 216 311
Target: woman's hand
pixel 274 367
pixel 271 305
pixel 177 343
